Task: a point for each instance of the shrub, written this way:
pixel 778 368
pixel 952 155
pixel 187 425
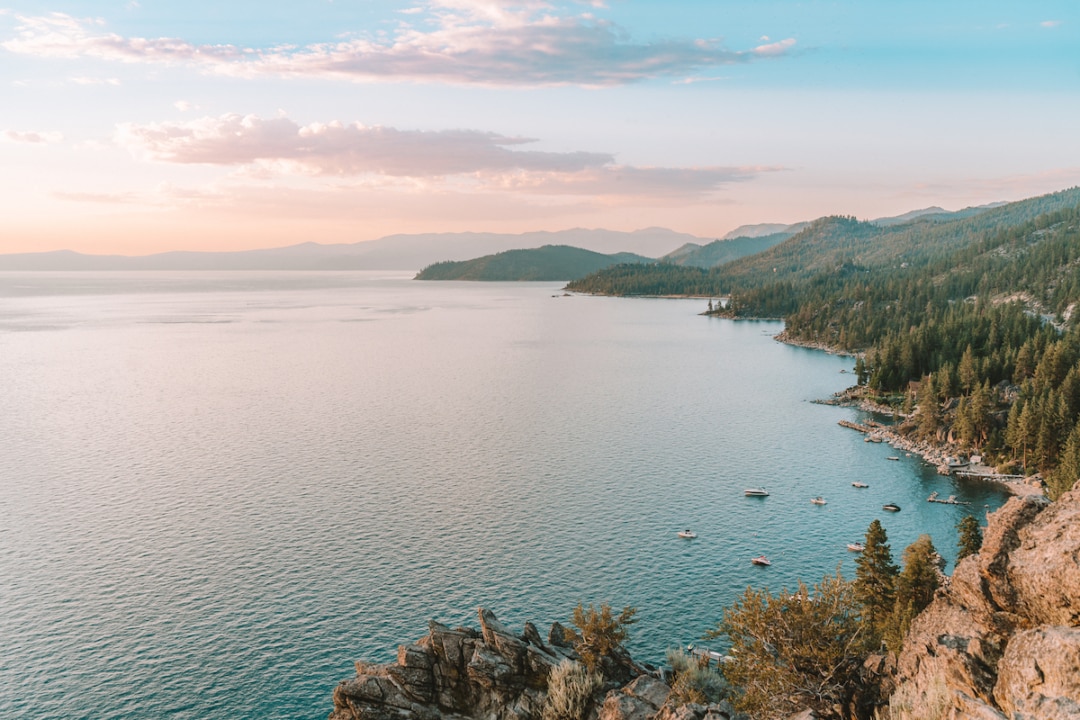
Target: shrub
pixel 599 632
pixel 796 650
pixel 696 680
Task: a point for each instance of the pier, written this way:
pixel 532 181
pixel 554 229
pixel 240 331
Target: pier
pixel 951 500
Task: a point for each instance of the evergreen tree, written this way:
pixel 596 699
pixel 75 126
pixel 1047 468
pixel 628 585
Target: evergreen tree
pixel 875 578
pixel 970 537
pixel 921 574
pixel 1064 477
pixel 860 371
pixel 968 370
pixel 928 411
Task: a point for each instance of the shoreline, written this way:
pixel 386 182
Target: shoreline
pixel 782 337
pixel 936 454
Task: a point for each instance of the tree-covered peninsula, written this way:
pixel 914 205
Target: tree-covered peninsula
pixel 547 263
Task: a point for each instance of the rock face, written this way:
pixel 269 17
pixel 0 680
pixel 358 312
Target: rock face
pixel 1002 639
pixel 492 674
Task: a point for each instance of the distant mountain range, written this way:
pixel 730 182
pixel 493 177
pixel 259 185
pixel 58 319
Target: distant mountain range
pixel 409 252
pixel 394 252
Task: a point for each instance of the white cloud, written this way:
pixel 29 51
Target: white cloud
pixel 1050 23
pixel 484 42
pixel 34 138
pixel 263 148
pixel 183 105
pixel 83 80
pixel 627 180
pixel 777 48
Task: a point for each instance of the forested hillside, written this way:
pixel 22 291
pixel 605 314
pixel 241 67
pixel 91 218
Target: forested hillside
pixel 719 252
pixel 965 325
pixel 550 262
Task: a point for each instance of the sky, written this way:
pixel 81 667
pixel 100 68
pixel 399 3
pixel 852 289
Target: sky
pixel 143 126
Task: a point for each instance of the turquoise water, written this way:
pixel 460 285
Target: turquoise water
pixel 217 491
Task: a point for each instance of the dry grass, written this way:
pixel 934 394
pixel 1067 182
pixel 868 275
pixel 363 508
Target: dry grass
pixel 907 703
pixel 570 691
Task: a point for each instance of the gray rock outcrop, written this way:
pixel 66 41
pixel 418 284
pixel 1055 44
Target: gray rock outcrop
pixel 1002 639
pixel 493 674
pixel 490 674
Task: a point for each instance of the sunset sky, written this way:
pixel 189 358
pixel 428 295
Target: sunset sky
pixel 139 126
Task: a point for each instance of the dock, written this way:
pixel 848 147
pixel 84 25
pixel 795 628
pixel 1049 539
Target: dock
pixel 951 500
pixel 856 426
pixel 987 475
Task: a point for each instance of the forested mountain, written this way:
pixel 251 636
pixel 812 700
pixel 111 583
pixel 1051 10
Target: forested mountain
pixel 550 262
pixel 964 325
pixel 719 252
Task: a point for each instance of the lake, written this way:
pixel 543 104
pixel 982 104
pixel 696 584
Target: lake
pixel 218 490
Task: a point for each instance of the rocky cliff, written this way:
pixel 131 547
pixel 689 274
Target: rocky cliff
pixel 493 674
pixel 1001 640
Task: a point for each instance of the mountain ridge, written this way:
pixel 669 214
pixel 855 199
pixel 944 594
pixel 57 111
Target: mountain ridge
pixel 392 252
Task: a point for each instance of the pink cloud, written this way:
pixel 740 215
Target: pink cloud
pixel 337 149
pixel 484 42
pixel 35 138
pixel 482 160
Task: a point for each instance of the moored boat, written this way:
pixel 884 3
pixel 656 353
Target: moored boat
pixel 756 492
pixel 856 547
pixel 687 534
pixel 760 560
pixel 818 500
pixel 859 484
pixel 891 507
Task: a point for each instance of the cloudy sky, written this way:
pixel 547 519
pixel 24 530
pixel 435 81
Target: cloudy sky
pixel 138 126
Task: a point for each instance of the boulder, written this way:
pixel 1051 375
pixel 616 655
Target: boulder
pixel 1039 675
pixel 1001 639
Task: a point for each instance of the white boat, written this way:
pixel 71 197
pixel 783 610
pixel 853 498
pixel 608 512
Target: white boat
pixel 818 500
pixel 755 492
pixel 688 534
pixel 893 457
pixel 859 484
pixel 760 560
pixel 856 547
pixel 891 507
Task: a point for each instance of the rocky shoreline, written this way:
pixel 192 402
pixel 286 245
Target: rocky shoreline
pixel 937 454
pixel 823 347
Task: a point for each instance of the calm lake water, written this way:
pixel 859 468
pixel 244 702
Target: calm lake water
pixel 219 490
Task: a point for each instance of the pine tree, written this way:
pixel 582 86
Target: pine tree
pixel 928 411
pixel 1064 477
pixel 860 370
pixel 968 370
pixel 970 537
pixel 920 577
pixel 875 577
